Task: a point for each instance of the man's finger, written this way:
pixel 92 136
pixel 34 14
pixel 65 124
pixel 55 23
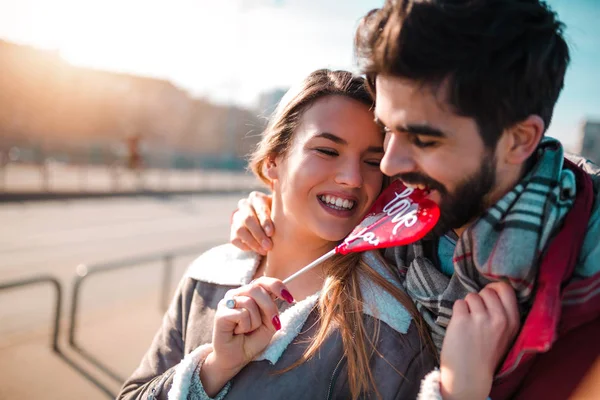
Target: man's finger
pixel 496 312
pixel 507 296
pixel 240 245
pixel 263 213
pixel 476 305
pixel 261 203
pixel 245 236
pixel 252 224
pixel 243 204
pixel 460 309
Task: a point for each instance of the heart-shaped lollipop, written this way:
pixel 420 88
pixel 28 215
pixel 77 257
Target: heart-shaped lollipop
pixel 399 216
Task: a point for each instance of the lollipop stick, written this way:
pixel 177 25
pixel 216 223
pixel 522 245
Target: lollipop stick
pixel 309 266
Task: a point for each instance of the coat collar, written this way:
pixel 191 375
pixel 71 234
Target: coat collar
pixel 230 266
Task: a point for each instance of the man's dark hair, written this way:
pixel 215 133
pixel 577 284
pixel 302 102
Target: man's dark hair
pixel 503 59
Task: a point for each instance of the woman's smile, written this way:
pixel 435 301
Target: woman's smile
pixel 341 206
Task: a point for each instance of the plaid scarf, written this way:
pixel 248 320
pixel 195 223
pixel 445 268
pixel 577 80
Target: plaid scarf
pixel 505 243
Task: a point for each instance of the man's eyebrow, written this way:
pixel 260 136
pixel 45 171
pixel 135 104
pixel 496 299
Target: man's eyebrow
pixel 339 140
pixel 424 130
pixel 416 129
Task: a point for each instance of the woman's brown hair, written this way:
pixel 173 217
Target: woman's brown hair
pixel 341 304
pixel 277 137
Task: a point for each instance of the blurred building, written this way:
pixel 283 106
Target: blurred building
pixel 590 147
pixel 50 108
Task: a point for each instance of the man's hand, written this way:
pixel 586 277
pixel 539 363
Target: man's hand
pixel 481 329
pixel 251 225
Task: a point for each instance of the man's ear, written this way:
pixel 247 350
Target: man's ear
pixel 520 141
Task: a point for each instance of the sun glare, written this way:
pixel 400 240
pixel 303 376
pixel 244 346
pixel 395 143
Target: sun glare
pixel 162 39
pixel 106 35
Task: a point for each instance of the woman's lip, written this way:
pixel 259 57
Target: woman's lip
pixel 337 213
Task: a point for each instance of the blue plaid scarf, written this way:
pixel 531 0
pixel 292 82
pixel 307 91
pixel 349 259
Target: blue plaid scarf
pixel 505 243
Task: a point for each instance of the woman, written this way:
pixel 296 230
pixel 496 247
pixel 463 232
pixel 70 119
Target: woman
pixel 343 330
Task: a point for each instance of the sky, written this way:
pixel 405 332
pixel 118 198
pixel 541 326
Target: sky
pixel 231 50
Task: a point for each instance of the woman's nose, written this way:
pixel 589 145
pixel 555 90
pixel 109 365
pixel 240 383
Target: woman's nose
pixel 350 174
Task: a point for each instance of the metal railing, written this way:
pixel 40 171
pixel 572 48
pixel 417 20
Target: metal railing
pixel 47 279
pixel 83 272
pixel 38 280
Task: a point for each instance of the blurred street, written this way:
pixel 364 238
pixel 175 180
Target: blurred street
pixel 119 310
pixel 64 178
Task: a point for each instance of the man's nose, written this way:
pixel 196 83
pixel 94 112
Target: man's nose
pixel 398 157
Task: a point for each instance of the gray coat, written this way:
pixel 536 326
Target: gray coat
pixel 169 364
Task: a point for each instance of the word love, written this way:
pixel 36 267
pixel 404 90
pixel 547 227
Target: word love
pixel 402 211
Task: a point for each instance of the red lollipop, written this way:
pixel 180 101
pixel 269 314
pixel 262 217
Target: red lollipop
pixel 399 216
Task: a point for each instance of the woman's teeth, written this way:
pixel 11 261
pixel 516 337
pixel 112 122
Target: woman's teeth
pixel 336 202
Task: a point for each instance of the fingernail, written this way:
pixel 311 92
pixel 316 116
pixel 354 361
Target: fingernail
pixel 287 296
pixel 276 323
pixel 266 244
pixel 268 230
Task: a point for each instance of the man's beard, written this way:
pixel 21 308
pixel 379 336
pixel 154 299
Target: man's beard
pixel 467 202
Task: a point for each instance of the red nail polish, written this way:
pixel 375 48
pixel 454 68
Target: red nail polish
pixel 276 323
pixel 287 296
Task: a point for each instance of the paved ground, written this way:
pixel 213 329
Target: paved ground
pixel 119 309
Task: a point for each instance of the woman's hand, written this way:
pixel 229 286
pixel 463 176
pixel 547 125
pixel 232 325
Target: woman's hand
pixel 481 329
pixel 241 333
pixel 251 224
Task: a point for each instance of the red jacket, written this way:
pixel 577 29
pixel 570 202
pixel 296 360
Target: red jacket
pixel 560 339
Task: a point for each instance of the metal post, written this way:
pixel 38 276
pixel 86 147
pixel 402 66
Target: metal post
pixel 57 314
pixel 57 311
pixel 165 297
pixel 45 175
pixel 3 168
pixel 115 170
pixel 57 304
pixel 81 273
pixel 83 173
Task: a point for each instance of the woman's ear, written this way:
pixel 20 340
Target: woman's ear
pixel 270 169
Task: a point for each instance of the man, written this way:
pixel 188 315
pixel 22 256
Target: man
pixel 465 91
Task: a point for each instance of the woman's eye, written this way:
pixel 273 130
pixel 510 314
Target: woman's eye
pixel 327 152
pixel 374 163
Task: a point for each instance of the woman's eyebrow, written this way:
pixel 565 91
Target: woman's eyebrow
pixel 332 137
pixel 339 140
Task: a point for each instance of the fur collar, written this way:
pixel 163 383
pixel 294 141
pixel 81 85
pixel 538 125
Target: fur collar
pixel 228 265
